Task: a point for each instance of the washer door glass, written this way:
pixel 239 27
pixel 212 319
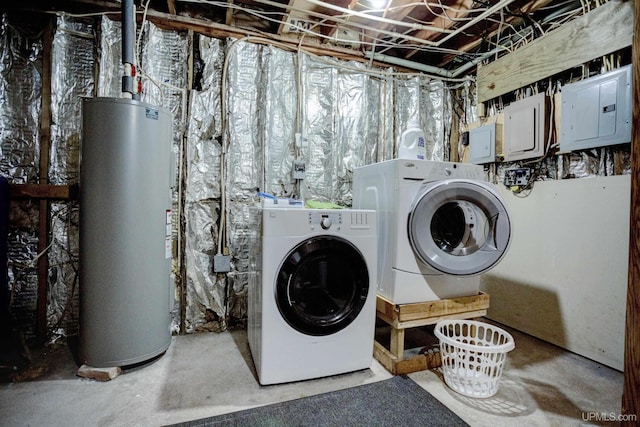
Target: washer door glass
pixel 322 285
pixel 459 227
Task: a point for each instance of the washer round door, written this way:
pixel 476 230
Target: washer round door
pixel 322 285
pixel 459 227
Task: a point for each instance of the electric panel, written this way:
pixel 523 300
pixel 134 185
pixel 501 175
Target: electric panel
pixel 525 128
pixel 482 144
pixel 596 112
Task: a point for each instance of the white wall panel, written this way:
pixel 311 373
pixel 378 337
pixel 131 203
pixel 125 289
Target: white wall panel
pixel 564 279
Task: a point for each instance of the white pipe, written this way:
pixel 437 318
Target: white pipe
pixel 409 64
pixel 461 69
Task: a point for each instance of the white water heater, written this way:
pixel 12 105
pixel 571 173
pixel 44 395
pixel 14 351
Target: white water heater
pixel 125 232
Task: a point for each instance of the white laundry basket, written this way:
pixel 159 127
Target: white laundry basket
pixel 473 355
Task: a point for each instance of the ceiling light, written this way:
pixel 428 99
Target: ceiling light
pixel 378 4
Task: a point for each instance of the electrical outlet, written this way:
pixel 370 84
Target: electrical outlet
pixel 298 171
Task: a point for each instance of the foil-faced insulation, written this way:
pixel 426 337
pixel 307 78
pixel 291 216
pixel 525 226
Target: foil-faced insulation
pixel 205 292
pixel 343 109
pixel 20 100
pixel 339 113
pixel 72 62
pixel 163 66
pixel 22 271
pixel 347 117
pixel 20 110
pixel 604 161
pixel 279 117
pixel 63 281
pixel 418 98
pixel 72 77
pixel 163 63
pixel 245 91
pixel 109 62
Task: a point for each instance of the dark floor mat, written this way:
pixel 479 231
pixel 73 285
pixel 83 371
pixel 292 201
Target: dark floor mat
pixel 398 401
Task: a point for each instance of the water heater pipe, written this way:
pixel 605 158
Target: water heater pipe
pixel 128 46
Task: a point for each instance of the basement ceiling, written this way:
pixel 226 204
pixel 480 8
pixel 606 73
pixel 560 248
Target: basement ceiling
pixel 446 37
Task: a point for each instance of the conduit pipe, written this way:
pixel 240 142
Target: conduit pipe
pixel 129 89
pixel 408 64
pixel 447 74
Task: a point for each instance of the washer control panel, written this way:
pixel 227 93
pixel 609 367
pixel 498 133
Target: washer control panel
pixel 325 220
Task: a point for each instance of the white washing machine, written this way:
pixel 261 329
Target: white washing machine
pixel 440 225
pixel 312 312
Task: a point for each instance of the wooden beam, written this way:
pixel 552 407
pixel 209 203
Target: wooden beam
pixel 330 28
pixel 604 30
pixel 631 385
pixel 470 42
pixel 215 30
pixel 462 6
pixel 43 216
pixel 171 6
pixel 285 18
pixel 43 191
pixel 182 221
pixel 228 19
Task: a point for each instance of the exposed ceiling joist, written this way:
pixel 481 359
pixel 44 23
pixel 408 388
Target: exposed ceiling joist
pixel 442 35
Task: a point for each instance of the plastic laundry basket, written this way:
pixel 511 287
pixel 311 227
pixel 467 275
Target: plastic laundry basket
pixel 473 355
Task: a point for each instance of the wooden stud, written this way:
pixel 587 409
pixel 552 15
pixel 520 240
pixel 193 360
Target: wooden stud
pixel 43 217
pixel 631 386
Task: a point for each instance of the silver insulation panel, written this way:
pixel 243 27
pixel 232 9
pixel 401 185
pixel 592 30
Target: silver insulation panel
pixel 347 117
pixel 206 293
pixel 20 109
pixel 72 64
pixel 20 99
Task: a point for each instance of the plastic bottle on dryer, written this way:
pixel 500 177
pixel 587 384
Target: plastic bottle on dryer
pixel 412 144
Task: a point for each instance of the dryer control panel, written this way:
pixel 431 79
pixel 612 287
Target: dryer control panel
pixel 326 220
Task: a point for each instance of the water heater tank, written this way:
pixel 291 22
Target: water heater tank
pixel 125 246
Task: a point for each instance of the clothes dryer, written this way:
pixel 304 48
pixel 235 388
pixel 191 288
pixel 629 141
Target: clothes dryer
pixel 440 225
pixel 312 311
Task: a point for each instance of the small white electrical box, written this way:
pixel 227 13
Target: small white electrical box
pixel 221 264
pixel 482 144
pixel 525 128
pixel 596 112
pixel 298 170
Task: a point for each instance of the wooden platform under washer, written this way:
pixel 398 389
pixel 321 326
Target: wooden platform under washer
pixel 401 317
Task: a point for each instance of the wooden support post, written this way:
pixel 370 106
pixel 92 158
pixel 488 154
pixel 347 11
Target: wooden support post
pixel 43 217
pixel 182 276
pixel 631 388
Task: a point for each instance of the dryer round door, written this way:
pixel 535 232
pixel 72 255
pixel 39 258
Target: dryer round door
pixel 459 227
pixel 322 285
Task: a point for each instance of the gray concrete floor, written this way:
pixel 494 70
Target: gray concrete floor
pixel 202 375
